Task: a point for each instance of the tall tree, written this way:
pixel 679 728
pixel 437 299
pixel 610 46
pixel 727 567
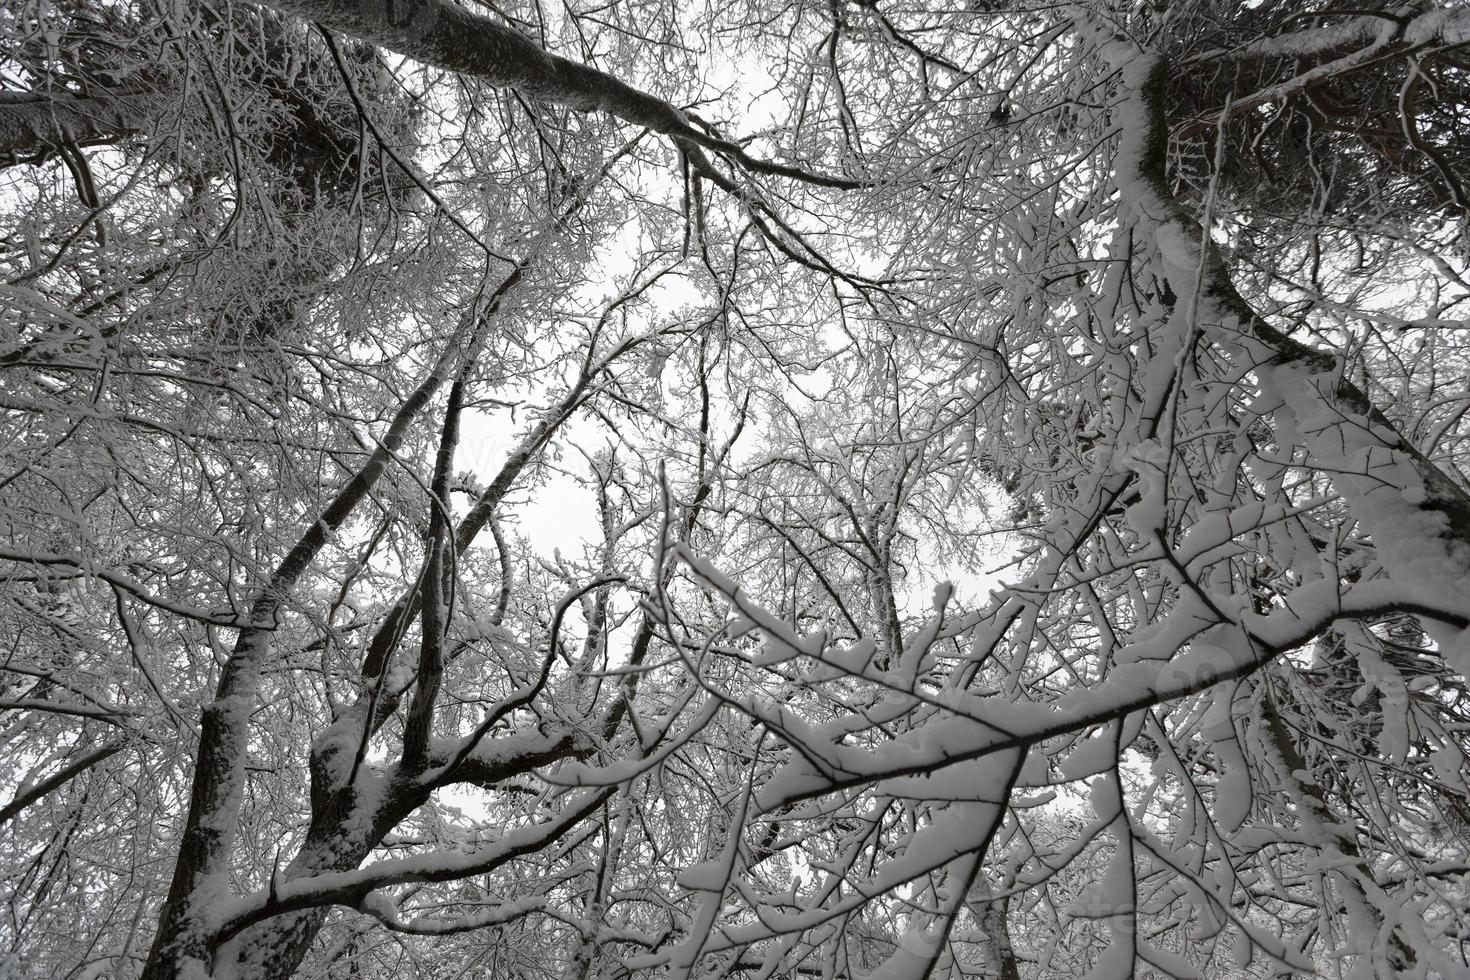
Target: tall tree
pixel 323 316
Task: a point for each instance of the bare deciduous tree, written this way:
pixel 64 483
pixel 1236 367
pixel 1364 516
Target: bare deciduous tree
pixel 1016 455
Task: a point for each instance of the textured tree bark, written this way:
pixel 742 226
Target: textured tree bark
pixel 442 34
pixel 997 931
pixel 200 872
pixel 184 939
pixel 447 36
pixel 34 123
pixel 1418 514
pixel 334 842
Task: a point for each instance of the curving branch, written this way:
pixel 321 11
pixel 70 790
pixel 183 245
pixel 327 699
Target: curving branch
pixel 1418 514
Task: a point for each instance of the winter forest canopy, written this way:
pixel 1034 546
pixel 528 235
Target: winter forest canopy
pixel 768 489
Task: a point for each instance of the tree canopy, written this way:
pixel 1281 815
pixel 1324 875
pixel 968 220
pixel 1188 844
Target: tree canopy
pixel 777 489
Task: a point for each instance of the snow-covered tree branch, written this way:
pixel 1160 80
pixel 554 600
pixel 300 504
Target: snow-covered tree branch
pixel 768 489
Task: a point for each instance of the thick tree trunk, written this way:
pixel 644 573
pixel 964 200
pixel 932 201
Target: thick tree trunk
pixel 1418 515
pixel 202 868
pixel 32 124
pixel 442 34
pixel 993 921
pixel 448 36
pixel 343 833
pixel 200 875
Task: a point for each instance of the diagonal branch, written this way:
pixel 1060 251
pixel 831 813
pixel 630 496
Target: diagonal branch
pixel 440 33
pixel 33 124
pixel 1418 515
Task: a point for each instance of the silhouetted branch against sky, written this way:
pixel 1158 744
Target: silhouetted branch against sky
pixel 755 489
